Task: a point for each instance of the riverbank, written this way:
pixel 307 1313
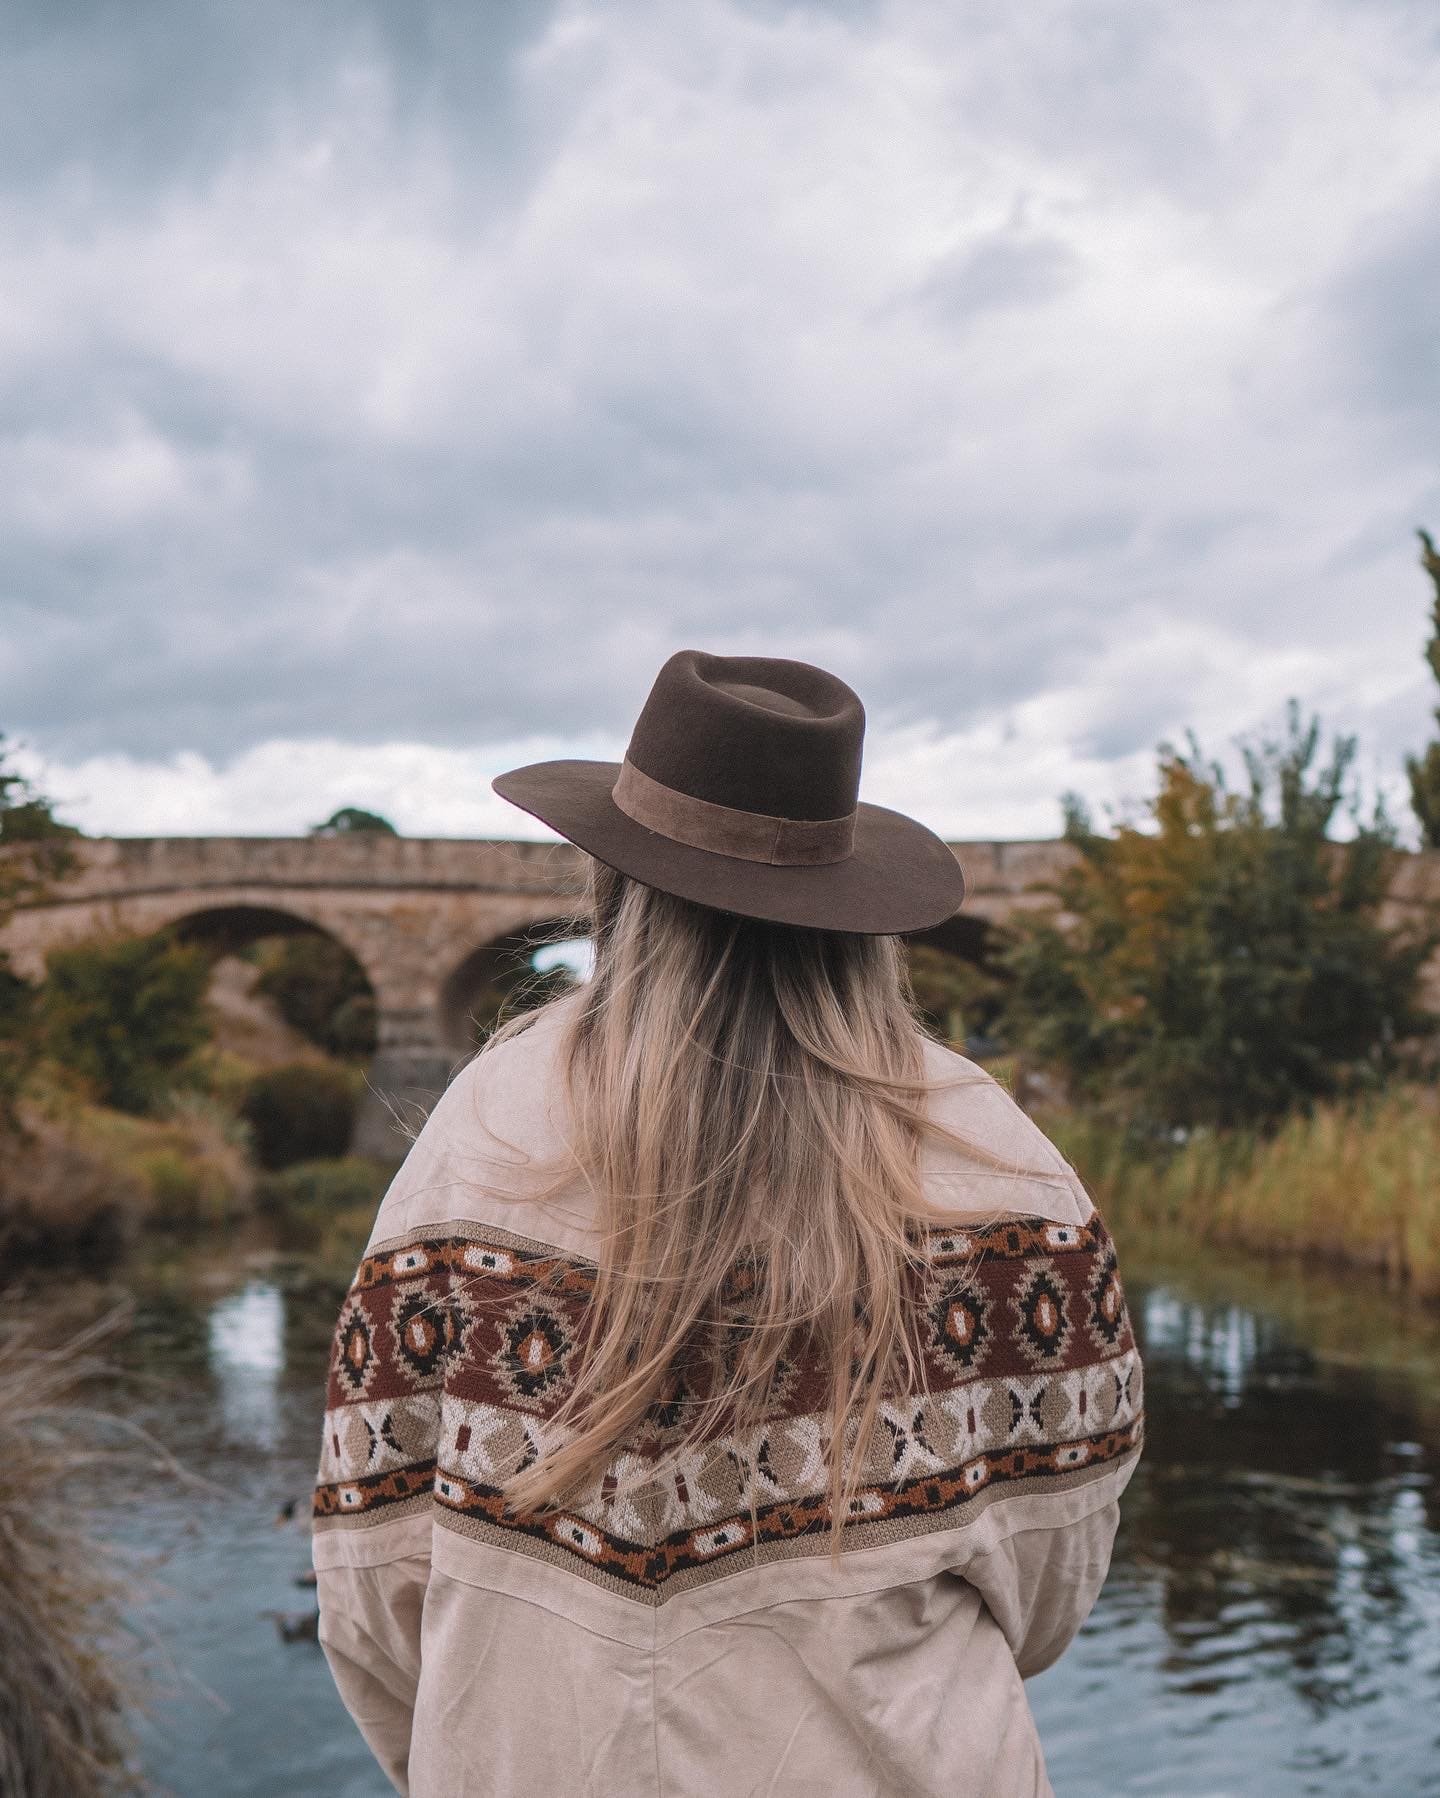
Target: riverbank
pixel 1352 1185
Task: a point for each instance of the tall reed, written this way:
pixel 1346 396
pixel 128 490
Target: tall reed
pixel 64 1690
pixel 1354 1184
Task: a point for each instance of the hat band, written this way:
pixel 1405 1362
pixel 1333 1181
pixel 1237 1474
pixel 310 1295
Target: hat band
pixel 749 836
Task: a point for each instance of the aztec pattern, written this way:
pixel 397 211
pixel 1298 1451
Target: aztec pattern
pixel 451 1354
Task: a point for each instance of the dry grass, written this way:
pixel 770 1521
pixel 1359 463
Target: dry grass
pixel 83 1181
pixel 65 1688
pixel 1356 1185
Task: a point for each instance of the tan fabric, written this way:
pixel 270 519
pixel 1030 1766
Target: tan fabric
pixel 655 1653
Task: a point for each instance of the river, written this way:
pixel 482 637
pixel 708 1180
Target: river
pixel 1271 1624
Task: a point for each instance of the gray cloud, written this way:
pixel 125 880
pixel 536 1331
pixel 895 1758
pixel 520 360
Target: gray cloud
pixel 427 372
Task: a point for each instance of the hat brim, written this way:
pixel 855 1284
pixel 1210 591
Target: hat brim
pixel 900 877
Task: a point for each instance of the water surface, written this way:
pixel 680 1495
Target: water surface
pixel 1271 1623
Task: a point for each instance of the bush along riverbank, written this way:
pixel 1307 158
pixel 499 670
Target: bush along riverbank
pixel 1355 1184
pixel 85 1182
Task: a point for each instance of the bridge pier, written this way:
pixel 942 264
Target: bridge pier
pixel 412 1066
pixel 401 1087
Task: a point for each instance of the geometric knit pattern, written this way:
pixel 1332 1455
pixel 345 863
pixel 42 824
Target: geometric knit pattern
pixel 452 1353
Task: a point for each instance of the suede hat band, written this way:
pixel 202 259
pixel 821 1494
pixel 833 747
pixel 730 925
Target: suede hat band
pixel 753 836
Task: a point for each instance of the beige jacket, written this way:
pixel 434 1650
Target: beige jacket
pixel 645 1646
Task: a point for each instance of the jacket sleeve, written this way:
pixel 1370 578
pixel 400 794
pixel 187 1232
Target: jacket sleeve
pixel 374 1490
pixel 1042 1553
pixel 370 1631
pixel 1041 1583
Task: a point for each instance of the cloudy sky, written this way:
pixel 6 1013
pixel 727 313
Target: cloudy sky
pixel 387 389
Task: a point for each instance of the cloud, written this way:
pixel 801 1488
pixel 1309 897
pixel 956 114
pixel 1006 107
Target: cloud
pixel 409 382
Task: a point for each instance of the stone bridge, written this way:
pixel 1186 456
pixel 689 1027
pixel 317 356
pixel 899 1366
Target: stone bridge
pixel 431 919
pixel 428 919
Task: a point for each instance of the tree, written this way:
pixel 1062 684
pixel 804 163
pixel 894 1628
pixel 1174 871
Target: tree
pixel 1424 771
pixel 1219 959
pixel 956 998
pixel 350 819
pixel 125 1013
pixel 35 849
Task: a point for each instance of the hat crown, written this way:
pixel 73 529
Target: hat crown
pixel 753 733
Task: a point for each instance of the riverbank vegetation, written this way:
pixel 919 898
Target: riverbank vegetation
pixel 1234 1019
pixel 1355 1184
pixel 68 1682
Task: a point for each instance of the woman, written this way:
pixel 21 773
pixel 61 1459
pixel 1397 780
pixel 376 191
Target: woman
pixel 737 1388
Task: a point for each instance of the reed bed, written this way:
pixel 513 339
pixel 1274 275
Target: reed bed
pixel 1357 1185
pixel 66 1681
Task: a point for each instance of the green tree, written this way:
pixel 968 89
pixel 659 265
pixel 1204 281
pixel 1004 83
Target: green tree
pixel 956 997
pixel 350 819
pixel 1223 960
pixel 35 850
pixel 126 1014
pixel 1424 771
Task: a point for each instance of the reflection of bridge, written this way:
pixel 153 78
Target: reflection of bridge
pixel 428 919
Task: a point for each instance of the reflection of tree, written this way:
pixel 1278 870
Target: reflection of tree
pixel 1273 1507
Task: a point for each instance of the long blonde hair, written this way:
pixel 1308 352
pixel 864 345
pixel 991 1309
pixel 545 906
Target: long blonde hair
pixel 748 1104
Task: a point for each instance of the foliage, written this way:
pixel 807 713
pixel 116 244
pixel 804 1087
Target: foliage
pixel 300 1112
pixel 125 1013
pixel 956 998
pixel 87 1181
pixel 1356 1182
pixel 63 1199
pixel 321 991
pixel 18 1042
pixel 313 1199
pixel 515 986
pixel 349 819
pixel 28 823
pixel 35 849
pixel 1226 963
pixel 1424 771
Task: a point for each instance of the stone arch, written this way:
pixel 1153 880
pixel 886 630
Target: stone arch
pixel 225 928
pixel 962 1009
pixel 480 973
pixel 231 923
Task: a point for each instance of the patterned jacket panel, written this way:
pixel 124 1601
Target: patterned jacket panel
pixel 455 1348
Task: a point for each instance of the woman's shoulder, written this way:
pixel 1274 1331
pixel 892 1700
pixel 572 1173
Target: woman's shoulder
pixel 495 1149
pixel 1003 1161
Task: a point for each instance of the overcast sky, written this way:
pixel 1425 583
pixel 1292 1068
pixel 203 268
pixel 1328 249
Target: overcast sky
pixel 388 389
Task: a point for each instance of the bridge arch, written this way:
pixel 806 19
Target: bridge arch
pixel 484 978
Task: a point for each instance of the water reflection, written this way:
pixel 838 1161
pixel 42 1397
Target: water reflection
pixel 1273 1614
pixel 247 1358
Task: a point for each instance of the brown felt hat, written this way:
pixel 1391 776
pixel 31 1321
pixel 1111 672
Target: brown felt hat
pixel 740 790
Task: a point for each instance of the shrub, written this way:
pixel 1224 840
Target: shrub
pixel 301 1112
pixel 125 1013
pixel 315 1202
pixel 321 991
pixel 61 1200
pixel 1227 962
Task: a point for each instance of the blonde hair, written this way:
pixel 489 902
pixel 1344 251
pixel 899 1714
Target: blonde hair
pixel 748 1104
